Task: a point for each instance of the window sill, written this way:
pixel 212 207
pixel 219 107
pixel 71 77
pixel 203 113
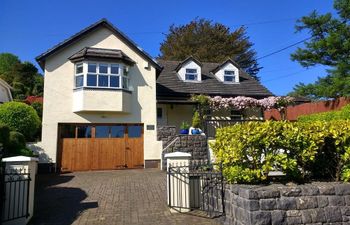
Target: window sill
pixel 226 82
pixel 102 89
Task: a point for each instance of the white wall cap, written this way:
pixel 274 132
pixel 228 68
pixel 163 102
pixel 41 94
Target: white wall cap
pixel 178 155
pixel 20 159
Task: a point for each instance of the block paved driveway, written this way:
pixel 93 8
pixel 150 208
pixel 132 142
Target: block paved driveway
pixel 106 198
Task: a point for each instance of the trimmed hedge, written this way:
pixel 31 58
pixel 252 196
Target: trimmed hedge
pixel 20 117
pixel 302 150
pixel 343 114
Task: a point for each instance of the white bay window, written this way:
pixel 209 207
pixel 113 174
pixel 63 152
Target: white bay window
pixel 101 75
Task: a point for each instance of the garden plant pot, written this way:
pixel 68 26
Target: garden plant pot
pixel 184 131
pixel 196 131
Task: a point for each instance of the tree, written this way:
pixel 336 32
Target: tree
pixel 20 117
pixel 22 76
pixel 210 42
pixel 329 45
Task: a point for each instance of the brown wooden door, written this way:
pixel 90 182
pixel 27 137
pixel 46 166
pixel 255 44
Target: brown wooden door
pixel 134 146
pixel 123 149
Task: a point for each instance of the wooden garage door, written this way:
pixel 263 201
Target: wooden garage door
pixel 101 147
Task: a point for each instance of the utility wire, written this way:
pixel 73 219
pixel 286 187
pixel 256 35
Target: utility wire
pixel 290 74
pixel 282 49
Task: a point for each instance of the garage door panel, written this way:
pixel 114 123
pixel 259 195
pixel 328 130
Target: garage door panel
pixel 103 150
pixel 81 154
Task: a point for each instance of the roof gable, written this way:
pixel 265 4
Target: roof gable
pixel 188 59
pixel 216 69
pixel 102 23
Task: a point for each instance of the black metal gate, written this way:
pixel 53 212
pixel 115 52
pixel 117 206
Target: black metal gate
pixel 14 194
pixel 197 188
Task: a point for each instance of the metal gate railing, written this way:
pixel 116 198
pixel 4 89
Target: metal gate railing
pixel 197 188
pixel 14 200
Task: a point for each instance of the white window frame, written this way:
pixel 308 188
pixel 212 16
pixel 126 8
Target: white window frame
pixel 121 75
pixel 78 74
pixel 191 74
pixel 230 75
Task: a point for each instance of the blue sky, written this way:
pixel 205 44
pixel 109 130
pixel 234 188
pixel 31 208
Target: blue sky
pixel 28 28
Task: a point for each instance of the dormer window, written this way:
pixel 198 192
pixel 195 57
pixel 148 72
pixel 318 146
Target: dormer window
pixel 229 76
pixel 101 75
pixel 191 75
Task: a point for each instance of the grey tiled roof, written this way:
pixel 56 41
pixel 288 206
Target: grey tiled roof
pixel 170 85
pixel 89 52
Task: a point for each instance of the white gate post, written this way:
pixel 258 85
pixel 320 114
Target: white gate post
pixel 30 165
pixel 178 185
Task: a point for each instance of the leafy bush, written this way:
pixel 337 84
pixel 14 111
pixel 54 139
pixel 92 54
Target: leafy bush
pixel 196 121
pixel 4 134
pixel 343 114
pixel 302 150
pixel 17 145
pixel 38 106
pixel 20 117
pixel 16 141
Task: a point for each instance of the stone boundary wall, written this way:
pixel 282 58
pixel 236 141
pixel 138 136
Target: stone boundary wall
pixel 197 145
pixel 166 134
pixel 277 204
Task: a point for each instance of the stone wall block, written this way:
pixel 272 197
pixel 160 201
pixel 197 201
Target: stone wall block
pixel 306 202
pixel 336 200
pixel 333 214
pixel 268 204
pixel 278 217
pixel 309 190
pixel 291 192
pixel 286 203
pixel 342 189
pixel 251 205
pixel 268 194
pixel 322 201
pixel 260 218
pixel 248 193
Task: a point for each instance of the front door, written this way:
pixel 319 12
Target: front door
pixel 100 146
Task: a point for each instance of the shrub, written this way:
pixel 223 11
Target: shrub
pixel 20 117
pixel 343 114
pixel 196 121
pixel 4 134
pixel 16 141
pixel 302 150
pixel 38 106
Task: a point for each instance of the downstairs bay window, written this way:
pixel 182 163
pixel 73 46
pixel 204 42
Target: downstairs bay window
pixel 101 75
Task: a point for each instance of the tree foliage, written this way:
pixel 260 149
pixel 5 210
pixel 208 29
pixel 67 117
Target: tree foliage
pixel 329 46
pixel 22 76
pixel 210 42
pixel 20 117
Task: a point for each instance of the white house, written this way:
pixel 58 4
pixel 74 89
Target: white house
pixel 104 97
pixel 5 92
pixel 99 102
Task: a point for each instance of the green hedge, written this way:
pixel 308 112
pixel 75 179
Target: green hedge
pixel 343 114
pixel 302 150
pixel 20 117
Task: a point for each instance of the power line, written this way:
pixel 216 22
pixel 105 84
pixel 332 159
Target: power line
pixel 290 74
pixel 284 48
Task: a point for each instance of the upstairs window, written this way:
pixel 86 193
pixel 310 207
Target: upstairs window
pixel 229 76
pixel 101 75
pixel 191 75
pixel 79 75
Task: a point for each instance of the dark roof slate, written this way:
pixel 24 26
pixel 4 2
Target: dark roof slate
pixel 170 85
pixel 104 23
pixel 110 54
